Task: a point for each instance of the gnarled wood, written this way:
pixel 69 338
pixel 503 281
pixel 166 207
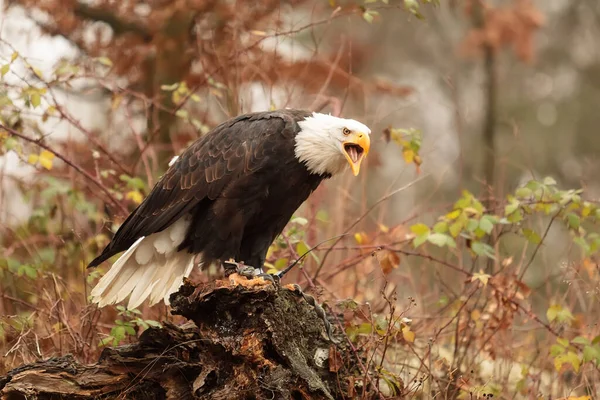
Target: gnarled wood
pixel 244 340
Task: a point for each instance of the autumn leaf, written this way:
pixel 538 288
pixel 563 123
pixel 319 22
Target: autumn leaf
pixel 135 196
pixel 419 229
pixel 480 276
pixel 389 262
pixel 559 313
pixel 408 335
pixel 361 238
pixel 33 159
pixel 567 358
pixel 46 159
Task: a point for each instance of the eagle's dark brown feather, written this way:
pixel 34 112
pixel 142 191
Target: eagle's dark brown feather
pixel 241 183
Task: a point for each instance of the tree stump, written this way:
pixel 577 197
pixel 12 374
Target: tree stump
pixel 244 340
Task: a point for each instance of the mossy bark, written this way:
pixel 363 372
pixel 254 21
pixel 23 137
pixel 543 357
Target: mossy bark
pixel 242 341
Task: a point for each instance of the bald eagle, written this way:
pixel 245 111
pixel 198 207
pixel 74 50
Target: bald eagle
pixel 227 196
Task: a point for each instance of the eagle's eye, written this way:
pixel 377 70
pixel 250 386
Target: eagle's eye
pixel 346 131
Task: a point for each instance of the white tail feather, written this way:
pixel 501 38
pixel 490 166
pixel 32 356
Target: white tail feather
pixel 151 268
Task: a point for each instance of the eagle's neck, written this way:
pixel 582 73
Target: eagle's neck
pixel 315 147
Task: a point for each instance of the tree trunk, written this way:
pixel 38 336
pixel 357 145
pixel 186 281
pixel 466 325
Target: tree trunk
pixel 243 340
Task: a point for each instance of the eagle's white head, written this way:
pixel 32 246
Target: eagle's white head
pixel 325 143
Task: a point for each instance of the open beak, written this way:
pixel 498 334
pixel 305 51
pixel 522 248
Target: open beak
pixel 356 148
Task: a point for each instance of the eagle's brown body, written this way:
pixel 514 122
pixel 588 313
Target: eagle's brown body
pixel 241 184
pixel 226 197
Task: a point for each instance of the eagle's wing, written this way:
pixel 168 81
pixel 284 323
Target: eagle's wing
pixel 236 147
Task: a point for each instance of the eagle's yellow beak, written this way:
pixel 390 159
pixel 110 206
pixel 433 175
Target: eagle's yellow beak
pixel 356 148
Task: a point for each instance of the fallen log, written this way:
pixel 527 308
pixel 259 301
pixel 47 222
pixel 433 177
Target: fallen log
pixel 244 339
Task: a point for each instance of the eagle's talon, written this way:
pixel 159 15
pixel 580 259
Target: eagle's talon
pixel 246 271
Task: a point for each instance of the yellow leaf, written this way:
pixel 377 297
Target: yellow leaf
pixel 361 238
pixel 33 159
pixel 409 155
pixel 135 196
pixel 116 101
pixel 302 248
pixel 105 61
pixel 383 228
pixel 453 214
pixel 46 158
pixel 35 99
pixel 475 315
pixel 480 276
pixel 271 250
pixel 408 335
pixel 259 33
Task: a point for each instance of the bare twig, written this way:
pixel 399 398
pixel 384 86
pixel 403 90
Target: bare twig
pixel 76 167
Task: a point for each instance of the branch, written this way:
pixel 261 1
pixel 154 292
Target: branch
pixel 491 87
pixel 76 167
pixel 360 218
pixel 118 25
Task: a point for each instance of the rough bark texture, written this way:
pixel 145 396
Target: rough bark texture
pixel 243 341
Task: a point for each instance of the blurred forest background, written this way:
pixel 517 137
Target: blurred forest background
pixel 471 247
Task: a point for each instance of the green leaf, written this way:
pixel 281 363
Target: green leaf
pixel 515 217
pixel 369 15
pixel 472 224
pixel 591 353
pixel 523 192
pixel 549 181
pixel 483 249
pixel 419 240
pixel 563 342
pixel 35 99
pixel 511 207
pixel 301 248
pixel 456 228
pixel 556 350
pixel 581 340
pixel 552 312
pixel 4 70
pixel 118 332
pixel 439 239
pixel 574 221
pixel 532 236
pixel 567 358
pixel 558 313
pixel 27 270
pixel 486 225
pixel 154 324
pixel 441 227
pixel 419 229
